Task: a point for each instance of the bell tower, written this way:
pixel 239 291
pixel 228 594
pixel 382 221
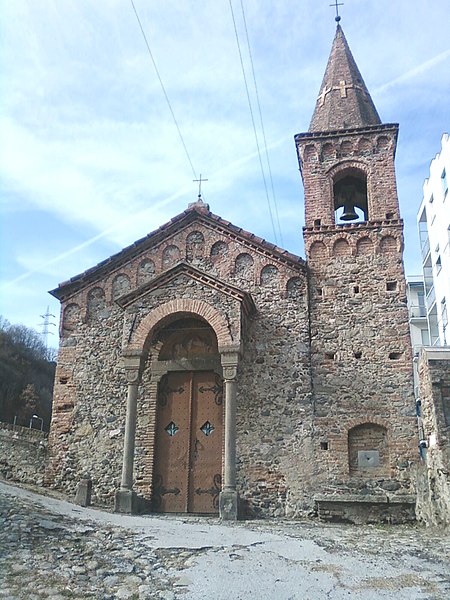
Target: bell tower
pixel 360 347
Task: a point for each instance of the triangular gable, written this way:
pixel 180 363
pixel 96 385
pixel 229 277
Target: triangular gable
pixel 197 212
pixel 183 268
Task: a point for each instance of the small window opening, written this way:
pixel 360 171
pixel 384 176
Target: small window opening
pixel 356 289
pixel 317 222
pixel 389 215
pixel 319 291
pixel 391 286
pixel 330 355
pixel 324 445
pixel 350 199
pixel 358 354
pixel 438 264
pixel 63 380
pixel 395 355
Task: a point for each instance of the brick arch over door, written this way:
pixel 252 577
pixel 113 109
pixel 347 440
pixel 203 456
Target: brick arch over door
pixel 199 308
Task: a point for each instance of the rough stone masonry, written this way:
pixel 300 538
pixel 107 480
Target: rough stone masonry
pixel 308 361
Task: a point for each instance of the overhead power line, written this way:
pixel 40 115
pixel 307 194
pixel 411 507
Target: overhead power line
pixel 253 122
pixel 274 198
pixel 164 90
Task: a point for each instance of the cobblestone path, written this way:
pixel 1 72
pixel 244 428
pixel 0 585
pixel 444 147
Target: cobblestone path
pixel 51 549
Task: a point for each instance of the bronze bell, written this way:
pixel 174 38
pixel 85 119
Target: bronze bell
pixel 349 213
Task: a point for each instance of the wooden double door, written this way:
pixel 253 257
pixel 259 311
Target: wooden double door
pixel 189 441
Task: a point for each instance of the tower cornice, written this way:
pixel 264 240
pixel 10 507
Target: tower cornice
pixel 354 131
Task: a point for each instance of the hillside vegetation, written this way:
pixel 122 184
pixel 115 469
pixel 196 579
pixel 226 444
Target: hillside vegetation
pixel 27 370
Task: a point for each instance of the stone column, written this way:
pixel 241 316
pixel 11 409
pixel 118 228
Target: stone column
pixel 229 499
pixel 125 501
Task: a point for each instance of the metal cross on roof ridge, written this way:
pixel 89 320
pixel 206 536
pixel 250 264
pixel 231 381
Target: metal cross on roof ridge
pixel 199 181
pixel 336 4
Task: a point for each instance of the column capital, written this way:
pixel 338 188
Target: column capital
pixel 132 363
pixel 229 373
pixel 230 361
pixel 133 376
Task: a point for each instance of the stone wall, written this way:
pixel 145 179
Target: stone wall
pixel 433 493
pixel 23 454
pixel 341 327
pixel 361 363
pixel 274 427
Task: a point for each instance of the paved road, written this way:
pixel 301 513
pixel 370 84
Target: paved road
pixel 50 548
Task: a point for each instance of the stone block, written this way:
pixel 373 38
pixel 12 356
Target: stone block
pixel 84 492
pixel 228 505
pixel 126 502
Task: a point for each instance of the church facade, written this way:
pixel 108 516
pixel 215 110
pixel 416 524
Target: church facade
pixel 204 370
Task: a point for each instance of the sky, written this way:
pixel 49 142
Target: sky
pixel 91 158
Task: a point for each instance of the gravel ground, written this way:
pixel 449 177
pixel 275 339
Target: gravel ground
pixel 50 548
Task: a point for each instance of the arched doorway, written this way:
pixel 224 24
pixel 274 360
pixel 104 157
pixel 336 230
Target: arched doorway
pixel 187 473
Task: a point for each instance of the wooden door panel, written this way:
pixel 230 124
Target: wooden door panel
pixel 170 481
pixel 206 443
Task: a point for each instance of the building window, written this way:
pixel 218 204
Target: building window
pixel 421 303
pixel 438 264
pixel 444 183
pixel 423 234
pixel 425 337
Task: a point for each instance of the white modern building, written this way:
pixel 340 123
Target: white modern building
pixel 434 232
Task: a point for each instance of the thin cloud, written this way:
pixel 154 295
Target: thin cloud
pixel 413 73
pixel 137 217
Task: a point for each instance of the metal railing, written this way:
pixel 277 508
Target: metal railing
pixel 417 311
pixel 425 247
pixel 431 297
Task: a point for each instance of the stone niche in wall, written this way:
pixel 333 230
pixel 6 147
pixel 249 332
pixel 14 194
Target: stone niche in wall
pixel 368 454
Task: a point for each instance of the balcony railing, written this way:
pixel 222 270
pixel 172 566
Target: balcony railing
pixel 425 247
pixel 417 312
pixel 431 297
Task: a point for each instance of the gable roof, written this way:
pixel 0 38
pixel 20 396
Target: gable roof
pixel 183 268
pixel 344 101
pixel 199 212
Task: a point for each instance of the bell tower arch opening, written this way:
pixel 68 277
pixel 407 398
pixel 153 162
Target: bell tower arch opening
pixel 350 197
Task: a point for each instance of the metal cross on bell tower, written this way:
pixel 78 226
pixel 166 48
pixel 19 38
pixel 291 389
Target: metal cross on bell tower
pixel 337 4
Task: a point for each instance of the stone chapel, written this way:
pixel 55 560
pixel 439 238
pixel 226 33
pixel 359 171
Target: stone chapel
pixel 204 370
